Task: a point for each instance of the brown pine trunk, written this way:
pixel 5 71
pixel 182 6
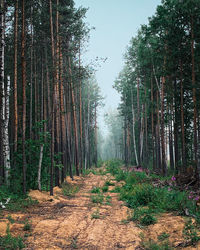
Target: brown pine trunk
pixel 62 118
pixel 80 113
pixel 164 169
pixel 74 118
pixel 57 97
pixel 152 124
pixel 53 102
pixel 158 135
pixel 15 77
pixel 23 97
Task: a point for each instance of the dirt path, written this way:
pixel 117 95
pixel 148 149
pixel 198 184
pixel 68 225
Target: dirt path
pixel 68 223
pixel 79 223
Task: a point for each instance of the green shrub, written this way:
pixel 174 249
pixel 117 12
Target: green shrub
pixel 9 242
pixel 95 214
pixel 109 183
pixel 69 189
pixel 163 236
pixel 96 190
pixel 148 220
pixel 27 226
pixel 104 189
pixel 190 232
pixel 117 189
pixel 97 198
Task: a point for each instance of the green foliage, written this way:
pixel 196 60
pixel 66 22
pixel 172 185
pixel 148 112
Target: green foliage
pixel 108 200
pixel 95 214
pixel 17 201
pixel 69 189
pixel 113 166
pixel 10 219
pixel 148 220
pixel 104 189
pixel 96 190
pixel 27 226
pixel 99 198
pixel 163 236
pixel 109 183
pixel 9 242
pixel 190 232
pixel 117 189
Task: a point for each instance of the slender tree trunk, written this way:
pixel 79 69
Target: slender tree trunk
pixel 164 168
pixel 31 79
pixel 138 119
pixel 152 124
pixel 158 135
pixel 2 51
pixel 74 117
pixel 80 112
pixel 40 166
pixel 62 118
pixel 133 118
pixel 182 119
pixel 53 102
pixel 23 97
pixel 5 116
pixel 15 77
pixel 194 90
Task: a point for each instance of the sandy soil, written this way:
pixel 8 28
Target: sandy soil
pixel 67 223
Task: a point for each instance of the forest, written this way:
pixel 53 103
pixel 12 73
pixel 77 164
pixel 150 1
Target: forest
pixel 48 99
pixel 58 172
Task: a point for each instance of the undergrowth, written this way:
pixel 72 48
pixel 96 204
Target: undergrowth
pixel 8 242
pixel 146 200
pixel 69 189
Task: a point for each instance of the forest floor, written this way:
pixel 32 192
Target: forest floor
pixel 87 220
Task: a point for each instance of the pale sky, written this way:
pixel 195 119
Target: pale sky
pixel 115 22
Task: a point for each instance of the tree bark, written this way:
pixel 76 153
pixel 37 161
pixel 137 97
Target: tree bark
pixel 23 97
pixel 15 77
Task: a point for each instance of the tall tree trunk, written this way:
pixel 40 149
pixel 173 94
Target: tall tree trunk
pixel 194 90
pixel 164 168
pixel 152 124
pixel 53 101
pixel 23 97
pixel 15 77
pixel 80 112
pixel 40 166
pixel 182 119
pixel 31 79
pixel 5 116
pixel 138 119
pixel 133 118
pixel 74 117
pixel 2 51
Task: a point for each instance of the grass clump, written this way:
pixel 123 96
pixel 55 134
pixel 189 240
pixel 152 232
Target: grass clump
pixel 108 200
pixel 109 183
pixel 27 226
pixel 10 219
pixel 104 189
pixel 95 214
pixel 96 190
pixel 69 189
pixel 190 232
pixel 163 236
pixel 147 220
pixel 9 242
pixel 99 198
pixel 152 245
